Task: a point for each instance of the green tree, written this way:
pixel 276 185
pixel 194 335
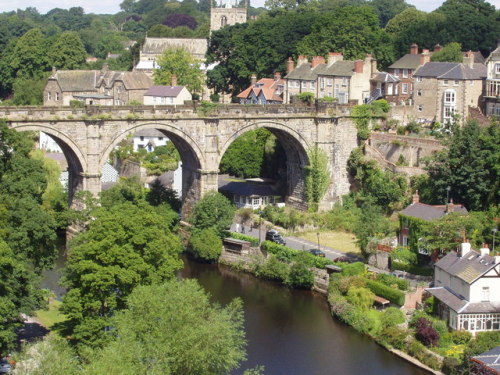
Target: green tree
pixel 205 245
pixel 173 328
pixel 370 224
pixel 125 246
pixel 300 276
pixel 28 91
pixel 451 52
pixel 29 57
pixel 67 52
pixel 387 9
pixel 213 211
pixel 317 178
pixel 179 62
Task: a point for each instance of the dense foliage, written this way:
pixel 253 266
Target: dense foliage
pixel 205 245
pixel 213 211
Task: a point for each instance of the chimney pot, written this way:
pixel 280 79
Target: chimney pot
pixel 414 49
pixel 316 60
pixel 416 197
pixel 438 47
pixel 358 66
pixel 253 79
pixel 484 250
pixel 464 248
pixel 289 65
pixel 174 80
pixel 277 76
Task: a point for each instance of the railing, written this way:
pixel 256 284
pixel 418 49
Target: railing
pixel 374 95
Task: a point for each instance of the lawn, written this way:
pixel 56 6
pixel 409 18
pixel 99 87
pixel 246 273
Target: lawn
pixel 343 241
pixel 49 317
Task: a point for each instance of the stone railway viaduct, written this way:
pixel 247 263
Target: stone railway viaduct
pixel 88 135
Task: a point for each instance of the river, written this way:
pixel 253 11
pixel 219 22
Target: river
pixel 292 332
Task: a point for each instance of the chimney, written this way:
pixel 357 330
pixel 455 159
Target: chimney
pixel 289 65
pixel 277 76
pixel 464 248
pixel 316 60
pixel 425 57
pixel 374 68
pixel 333 57
pixel 302 60
pixel 438 47
pixel 358 66
pixel 450 206
pixel 484 250
pixel 414 49
pixel 253 79
pixel 174 80
pixel 416 197
pixel 469 59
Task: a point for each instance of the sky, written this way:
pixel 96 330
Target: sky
pixel 113 6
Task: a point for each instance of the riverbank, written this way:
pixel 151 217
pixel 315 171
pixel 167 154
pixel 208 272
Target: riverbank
pixel 246 263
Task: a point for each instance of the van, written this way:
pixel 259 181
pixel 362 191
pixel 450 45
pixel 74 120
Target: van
pixel 274 236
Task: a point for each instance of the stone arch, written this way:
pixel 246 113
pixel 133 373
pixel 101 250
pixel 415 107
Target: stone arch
pixel 296 148
pixel 192 156
pixel 77 163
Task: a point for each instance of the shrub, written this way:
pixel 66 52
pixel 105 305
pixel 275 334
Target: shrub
pixel 353 269
pixel 205 245
pixel 76 104
pixel 286 254
pixel 306 97
pixel 273 269
pixel 401 130
pixel 392 281
pixel 425 333
pixel 253 241
pixel 367 322
pixel 460 337
pixel 415 270
pixel 392 317
pixel 300 277
pixel 360 297
pixel 341 309
pixel 394 337
pixel 347 282
pixel 393 295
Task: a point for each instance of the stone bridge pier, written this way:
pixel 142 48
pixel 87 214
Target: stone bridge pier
pixel 88 136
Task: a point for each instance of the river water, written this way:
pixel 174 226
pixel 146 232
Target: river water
pixel 292 332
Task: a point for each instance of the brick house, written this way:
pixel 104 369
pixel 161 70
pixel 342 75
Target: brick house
pixel 467 288
pixel 94 87
pixel 263 91
pixel 492 87
pixel 443 89
pixel 346 81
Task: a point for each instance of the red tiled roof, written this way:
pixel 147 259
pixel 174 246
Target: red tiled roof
pixel 267 86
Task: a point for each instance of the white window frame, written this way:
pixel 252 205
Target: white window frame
pixel 304 84
pixel 329 82
pixel 404 88
pixel 49 95
pixel 396 72
pixel 345 81
pixel 313 84
pixel 497 68
pixel 419 79
pixel 445 82
pixel 405 73
pixel 449 97
pixel 57 96
pixel 455 83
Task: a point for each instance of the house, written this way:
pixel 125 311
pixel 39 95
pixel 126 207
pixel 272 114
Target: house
pixel 467 288
pixel 264 91
pixel 444 89
pixel 252 193
pixel 149 139
pixel 167 95
pixel 492 88
pixel 487 363
pixel 403 69
pixel 346 81
pixel 415 215
pixel 95 87
pixel 383 85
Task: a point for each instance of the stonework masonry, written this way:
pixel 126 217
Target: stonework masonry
pixel 88 135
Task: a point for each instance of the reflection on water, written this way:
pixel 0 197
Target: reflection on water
pixel 51 278
pixel 291 332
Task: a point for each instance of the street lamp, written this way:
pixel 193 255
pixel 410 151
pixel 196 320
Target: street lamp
pixel 317 233
pixel 260 226
pixel 494 230
pixel 448 188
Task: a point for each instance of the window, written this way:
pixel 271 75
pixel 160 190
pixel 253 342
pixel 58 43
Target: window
pixel 445 82
pixel 223 21
pixel 57 96
pixel 141 138
pixel 329 82
pixel 419 79
pixel 497 68
pixel 345 81
pixel 396 72
pixel 486 294
pixel 420 107
pixel 448 112
pixel 455 83
pixel 449 96
pixel 404 88
pixel 322 83
pixel 405 73
pixel 49 95
pixel 304 84
pixel 419 92
pixel 313 84
pixel 405 240
pixel 389 89
pixel 160 138
pixel 256 201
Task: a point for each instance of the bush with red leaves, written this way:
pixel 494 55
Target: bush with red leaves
pixel 425 333
pixel 176 20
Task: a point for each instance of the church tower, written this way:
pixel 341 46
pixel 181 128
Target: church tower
pixel 226 12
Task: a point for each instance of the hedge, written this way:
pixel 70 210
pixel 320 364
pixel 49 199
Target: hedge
pixel 391 280
pixel 415 270
pixel 238 236
pixel 393 295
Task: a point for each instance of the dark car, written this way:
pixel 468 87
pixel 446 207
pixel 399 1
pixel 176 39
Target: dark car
pixel 274 236
pixel 317 252
pixel 4 367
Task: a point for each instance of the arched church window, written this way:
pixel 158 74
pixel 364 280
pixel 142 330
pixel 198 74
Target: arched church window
pixel 223 21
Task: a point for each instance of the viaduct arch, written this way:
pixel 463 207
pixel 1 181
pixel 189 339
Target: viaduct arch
pixel 87 137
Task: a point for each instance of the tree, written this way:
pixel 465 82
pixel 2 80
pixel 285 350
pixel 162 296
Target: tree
pixel 29 57
pixel 452 52
pixel 370 224
pixel 317 178
pixel 176 20
pixel 67 52
pixel 173 328
pixel 28 91
pixel 125 246
pixel 213 211
pixel 387 9
pixel 179 62
pixel 300 277
pixel 205 245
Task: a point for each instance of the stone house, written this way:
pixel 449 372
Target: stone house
pixel 492 87
pixel 148 139
pixel 166 95
pixel 263 91
pixel 94 87
pixel 226 13
pixel 443 89
pixel 346 81
pixel 467 287
pixel 383 85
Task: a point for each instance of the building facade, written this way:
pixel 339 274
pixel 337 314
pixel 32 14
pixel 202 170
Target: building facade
pixel 492 87
pixel 166 95
pixel 226 13
pixel 263 91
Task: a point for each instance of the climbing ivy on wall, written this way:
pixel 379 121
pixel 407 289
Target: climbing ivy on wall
pixel 317 177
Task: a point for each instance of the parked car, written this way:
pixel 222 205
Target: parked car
pixel 5 367
pixel 274 236
pixel 317 252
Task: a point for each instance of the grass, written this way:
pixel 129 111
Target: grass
pixel 342 241
pixel 49 317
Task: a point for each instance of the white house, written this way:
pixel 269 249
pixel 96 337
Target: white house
pixel 149 139
pixel 166 95
pixel 252 193
pixel 467 286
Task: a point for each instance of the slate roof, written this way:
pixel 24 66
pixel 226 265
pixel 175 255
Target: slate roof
pixel 267 86
pixel 149 133
pixel 489 359
pixel 449 298
pixel 430 212
pixel 76 80
pixel 304 72
pixel 385 77
pixel 494 55
pixel 469 267
pixel 164 91
pixel 408 61
pixel 248 189
pixel 341 68
pixel 452 71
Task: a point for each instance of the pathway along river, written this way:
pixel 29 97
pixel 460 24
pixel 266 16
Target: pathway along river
pixel 291 332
